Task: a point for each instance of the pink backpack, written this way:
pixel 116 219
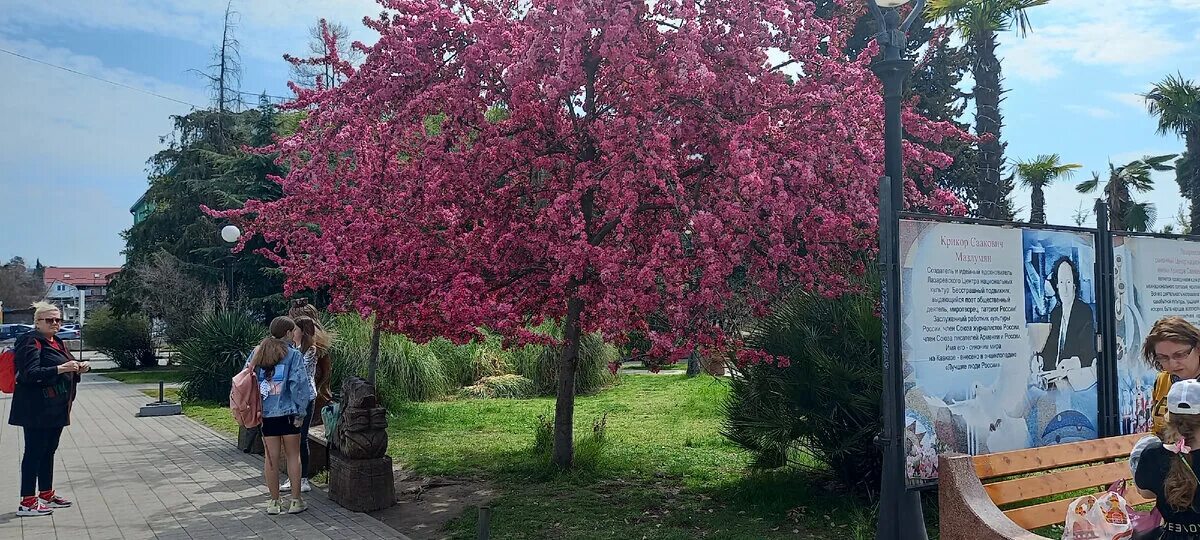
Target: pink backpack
pixel 244 400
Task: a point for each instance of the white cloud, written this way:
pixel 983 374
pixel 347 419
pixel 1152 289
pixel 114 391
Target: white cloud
pixel 260 23
pixel 1094 112
pixel 71 119
pixel 1029 63
pixel 1133 100
pixel 1133 36
pixel 75 151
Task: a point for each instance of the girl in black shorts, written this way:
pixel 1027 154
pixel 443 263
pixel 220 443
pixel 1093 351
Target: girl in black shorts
pixel 286 391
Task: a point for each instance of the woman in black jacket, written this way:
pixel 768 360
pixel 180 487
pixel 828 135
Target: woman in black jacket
pixel 41 404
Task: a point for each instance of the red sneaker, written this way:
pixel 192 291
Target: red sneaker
pixel 55 501
pixel 38 509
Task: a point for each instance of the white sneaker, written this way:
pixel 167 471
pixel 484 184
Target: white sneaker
pixel 298 505
pixel 274 508
pixel 38 509
pixel 305 487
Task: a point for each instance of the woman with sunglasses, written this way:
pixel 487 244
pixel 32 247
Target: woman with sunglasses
pixel 41 405
pixel 1173 348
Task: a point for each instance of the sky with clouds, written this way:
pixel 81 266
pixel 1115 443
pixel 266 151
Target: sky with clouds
pixel 74 154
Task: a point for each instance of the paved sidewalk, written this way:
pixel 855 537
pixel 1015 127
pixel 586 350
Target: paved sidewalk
pixel 167 477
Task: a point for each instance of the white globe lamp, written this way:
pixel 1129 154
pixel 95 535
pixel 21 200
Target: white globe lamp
pixel 890 3
pixel 230 233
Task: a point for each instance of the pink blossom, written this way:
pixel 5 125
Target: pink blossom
pixel 645 155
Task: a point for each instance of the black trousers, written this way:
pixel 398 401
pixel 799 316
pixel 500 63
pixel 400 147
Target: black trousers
pixel 37 465
pixel 308 416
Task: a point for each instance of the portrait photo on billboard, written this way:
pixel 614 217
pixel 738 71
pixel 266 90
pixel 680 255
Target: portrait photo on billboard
pixel 1060 309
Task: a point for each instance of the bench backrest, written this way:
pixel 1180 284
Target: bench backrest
pixel 1011 478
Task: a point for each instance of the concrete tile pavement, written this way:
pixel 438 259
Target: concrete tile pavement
pixel 165 478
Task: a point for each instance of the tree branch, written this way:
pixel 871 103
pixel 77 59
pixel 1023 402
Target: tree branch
pixel 608 227
pixel 783 65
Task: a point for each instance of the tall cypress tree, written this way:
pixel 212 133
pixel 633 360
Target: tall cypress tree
pixel 936 82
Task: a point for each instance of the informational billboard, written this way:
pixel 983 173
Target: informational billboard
pixel 1153 278
pixel 998 337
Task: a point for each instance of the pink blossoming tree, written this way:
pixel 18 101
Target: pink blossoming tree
pixel 497 163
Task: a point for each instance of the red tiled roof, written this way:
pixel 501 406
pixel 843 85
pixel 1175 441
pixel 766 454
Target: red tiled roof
pixel 79 275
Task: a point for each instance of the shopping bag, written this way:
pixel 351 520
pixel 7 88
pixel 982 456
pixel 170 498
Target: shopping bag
pixel 1142 521
pixel 1101 517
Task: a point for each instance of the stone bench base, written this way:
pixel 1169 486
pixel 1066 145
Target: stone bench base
pixel 361 485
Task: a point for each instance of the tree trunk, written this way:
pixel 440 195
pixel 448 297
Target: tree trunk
pixel 1037 212
pixel 693 364
pixel 993 197
pixel 374 360
pixel 564 405
pixel 1192 141
pixel 1117 205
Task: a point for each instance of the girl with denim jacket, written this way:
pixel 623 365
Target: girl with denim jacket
pixel 286 392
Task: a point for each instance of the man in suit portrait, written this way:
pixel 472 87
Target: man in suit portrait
pixel 1072 327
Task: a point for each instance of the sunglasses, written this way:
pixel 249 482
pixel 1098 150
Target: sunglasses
pixel 52 321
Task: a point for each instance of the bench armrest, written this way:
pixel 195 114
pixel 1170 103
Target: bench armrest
pixel 965 510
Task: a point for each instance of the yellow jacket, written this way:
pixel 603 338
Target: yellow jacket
pixel 1158 409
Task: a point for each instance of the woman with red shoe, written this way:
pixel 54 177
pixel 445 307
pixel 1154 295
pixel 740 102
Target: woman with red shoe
pixel 47 375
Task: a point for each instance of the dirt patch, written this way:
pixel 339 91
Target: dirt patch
pixel 425 504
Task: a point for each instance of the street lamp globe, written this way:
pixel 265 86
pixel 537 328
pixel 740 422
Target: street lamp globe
pixel 230 233
pixel 890 3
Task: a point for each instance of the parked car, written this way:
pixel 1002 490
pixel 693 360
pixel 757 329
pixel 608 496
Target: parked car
pixel 13 331
pixel 70 326
pixel 68 334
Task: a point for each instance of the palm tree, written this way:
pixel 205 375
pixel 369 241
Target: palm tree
pixel 1125 213
pixel 978 21
pixel 1176 103
pixel 1038 173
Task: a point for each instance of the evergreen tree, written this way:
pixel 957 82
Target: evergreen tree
pixel 978 22
pixel 204 163
pixel 936 82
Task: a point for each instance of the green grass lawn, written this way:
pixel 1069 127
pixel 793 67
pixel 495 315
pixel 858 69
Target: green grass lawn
pixel 667 472
pixel 144 376
pixel 213 415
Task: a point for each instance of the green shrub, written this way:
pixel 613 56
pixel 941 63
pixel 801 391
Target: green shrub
pixel 540 364
pixel 590 447
pixel 589 451
pixel 500 386
pixel 825 404
pixel 543 434
pixel 126 340
pixel 406 371
pixel 466 364
pixel 216 352
pixel 458 361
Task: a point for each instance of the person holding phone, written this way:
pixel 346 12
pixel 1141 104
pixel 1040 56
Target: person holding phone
pixel 47 375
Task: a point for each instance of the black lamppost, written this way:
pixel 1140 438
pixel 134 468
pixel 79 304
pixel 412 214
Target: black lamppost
pixel 231 234
pixel 900 514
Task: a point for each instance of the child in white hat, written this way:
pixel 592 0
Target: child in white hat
pixel 1167 471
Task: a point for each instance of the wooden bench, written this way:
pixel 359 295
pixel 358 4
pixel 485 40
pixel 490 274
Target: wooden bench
pixel 972 489
pixel 318 451
pixel 318 448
